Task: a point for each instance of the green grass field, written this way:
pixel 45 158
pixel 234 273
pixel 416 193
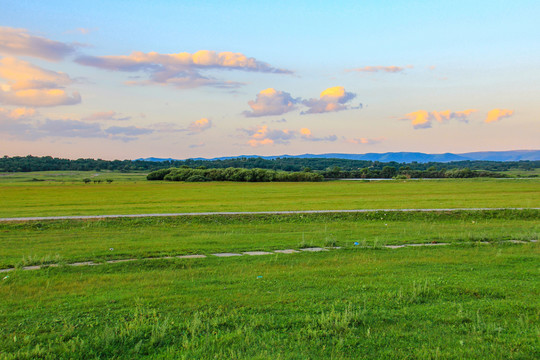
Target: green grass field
pixel 476 302
pixel 468 300
pixel 78 240
pixel 139 197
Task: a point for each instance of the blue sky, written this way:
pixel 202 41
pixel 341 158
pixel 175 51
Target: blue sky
pixel 129 79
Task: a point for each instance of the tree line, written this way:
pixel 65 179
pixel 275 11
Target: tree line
pixel 265 175
pixel 48 163
pixel 232 174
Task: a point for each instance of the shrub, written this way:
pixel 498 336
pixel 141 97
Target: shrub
pixel 197 178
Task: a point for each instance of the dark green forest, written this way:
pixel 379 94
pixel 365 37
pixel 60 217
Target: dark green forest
pixel 328 168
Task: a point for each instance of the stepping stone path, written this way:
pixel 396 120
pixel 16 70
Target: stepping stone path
pixel 191 256
pixel 248 253
pixel 286 251
pixel 314 249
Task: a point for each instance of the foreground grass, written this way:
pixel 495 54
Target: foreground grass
pixel 458 302
pixel 49 199
pixel 30 243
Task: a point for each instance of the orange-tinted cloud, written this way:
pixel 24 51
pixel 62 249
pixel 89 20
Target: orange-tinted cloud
pixel 386 69
pixel 498 114
pixel 331 100
pixel 200 125
pixel 271 102
pixel 263 135
pixel 422 119
pixel 19 42
pixel 305 134
pixel 29 85
pixel 182 70
pixel 18 113
pixel 39 97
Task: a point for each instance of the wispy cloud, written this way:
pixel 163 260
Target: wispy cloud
pixel 182 70
pixel 422 119
pixel 364 141
pixel 271 102
pixel 19 42
pixel 20 124
pixel 331 100
pixel 305 134
pixel 193 146
pixel 498 114
pixel 128 130
pixel 378 68
pixel 81 30
pixel 106 116
pixel 29 85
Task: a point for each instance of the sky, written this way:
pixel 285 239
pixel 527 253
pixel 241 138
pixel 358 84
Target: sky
pixel 186 79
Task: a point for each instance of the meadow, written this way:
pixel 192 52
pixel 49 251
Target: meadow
pixel 65 241
pixel 475 298
pixel 73 197
pixel 478 301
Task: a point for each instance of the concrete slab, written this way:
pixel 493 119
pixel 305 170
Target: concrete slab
pixel 314 249
pixel 83 263
pixel 191 256
pixel 255 253
pixel 286 251
pixel 394 246
pixel 226 254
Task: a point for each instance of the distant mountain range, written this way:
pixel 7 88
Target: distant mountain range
pixel 400 157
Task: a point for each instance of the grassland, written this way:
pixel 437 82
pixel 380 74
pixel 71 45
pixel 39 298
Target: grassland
pixel 468 300
pixel 138 197
pixel 460 302
pixel 78 240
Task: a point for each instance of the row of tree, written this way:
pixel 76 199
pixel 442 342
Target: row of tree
pixel 265 175
pixel 48 163
pixel 405 172
pixel 232 174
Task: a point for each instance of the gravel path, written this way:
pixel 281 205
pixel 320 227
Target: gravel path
pixel 84 217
